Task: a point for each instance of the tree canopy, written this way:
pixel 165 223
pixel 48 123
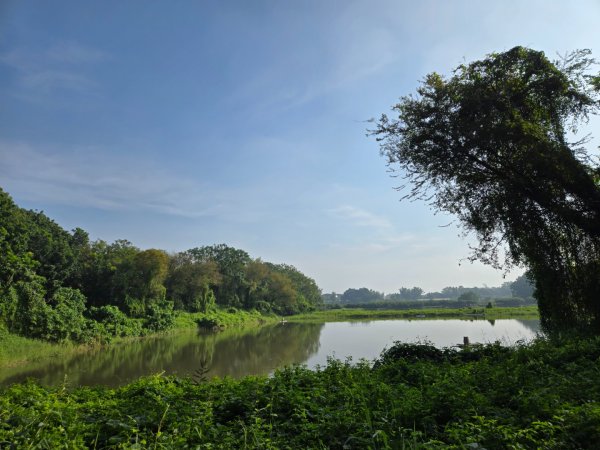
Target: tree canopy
pixel 57 285
pixel 492 145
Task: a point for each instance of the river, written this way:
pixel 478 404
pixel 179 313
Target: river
pixel 258 351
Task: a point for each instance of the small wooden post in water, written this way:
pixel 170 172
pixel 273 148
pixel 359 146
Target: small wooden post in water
pixel 466 341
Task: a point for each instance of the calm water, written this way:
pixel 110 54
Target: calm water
pixel 260 351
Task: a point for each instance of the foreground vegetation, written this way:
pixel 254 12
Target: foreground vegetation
pixel 343 314
pixel 541 395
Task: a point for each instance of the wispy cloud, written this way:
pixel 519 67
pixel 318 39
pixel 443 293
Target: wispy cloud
pixel 351 50
pixel 360 217
pixel 88 177
pixel 60 67
pixel 75 53
pixel 379 235
pixel 114 179
pixel 50 80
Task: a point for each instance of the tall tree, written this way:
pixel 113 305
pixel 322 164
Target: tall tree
pixel 309 294
pixel 490 144
pixel 410 294
pixel 191 284
pixel 361 295
pixel 232 263
pixel 522 287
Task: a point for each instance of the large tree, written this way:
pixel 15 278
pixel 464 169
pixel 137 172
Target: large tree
pixel 491 145
pixel 232 263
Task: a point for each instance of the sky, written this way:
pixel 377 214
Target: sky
pixel 181 124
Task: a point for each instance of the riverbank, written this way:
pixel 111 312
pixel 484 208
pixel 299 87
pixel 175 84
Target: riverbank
pixel 356 314
pixel 532 396
pixel 17 350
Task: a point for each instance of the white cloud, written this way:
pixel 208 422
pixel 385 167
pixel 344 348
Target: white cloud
pixel 360 217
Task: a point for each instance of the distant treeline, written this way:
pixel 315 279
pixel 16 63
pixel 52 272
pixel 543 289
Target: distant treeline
pixel 521 288
pixel 58 285
pixel 417 304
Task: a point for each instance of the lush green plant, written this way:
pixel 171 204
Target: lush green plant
pixel 490 144
pixel 65 320
pixel 114 322
pixel 541 395
pixel 48 277
pixel 159 316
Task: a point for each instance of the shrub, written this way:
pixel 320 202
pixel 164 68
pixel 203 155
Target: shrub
pixel 65 319
pixel 114 322
pixel 160 316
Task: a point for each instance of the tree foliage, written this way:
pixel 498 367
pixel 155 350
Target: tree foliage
pixel 490 144
pixel 57 285
pixel 522 287
pixel 361 295
pixel 190 284
pixel 410 293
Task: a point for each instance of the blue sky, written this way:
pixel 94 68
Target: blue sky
pixel 181 124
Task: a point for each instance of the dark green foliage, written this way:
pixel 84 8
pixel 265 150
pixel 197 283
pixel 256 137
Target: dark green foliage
pixel 308 294
pixel 190 284
pixel 362 295
pixel 404 293
pixel 522 287
pixel 65 321
pixel 60 319
pixel 543 395
pixel 411 353
pixel 30 316
pixel 231 263
pixel 159 316
pixel 114 322
pixel 490 144
pixel 106 272
pixel 52 247
pixel 281 289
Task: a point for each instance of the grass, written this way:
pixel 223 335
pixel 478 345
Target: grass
pixel 229 318
pixel 17 350
pixel 349 314
pixel 540 395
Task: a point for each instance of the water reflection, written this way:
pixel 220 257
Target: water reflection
pixel 367 340
pixel 232 352
pixel 261 350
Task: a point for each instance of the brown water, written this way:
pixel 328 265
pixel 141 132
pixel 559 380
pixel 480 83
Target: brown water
pixel 258 351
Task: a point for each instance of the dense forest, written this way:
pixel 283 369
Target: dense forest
pixel 58 285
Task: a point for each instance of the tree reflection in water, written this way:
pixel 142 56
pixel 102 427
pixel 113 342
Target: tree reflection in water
pixel 235 353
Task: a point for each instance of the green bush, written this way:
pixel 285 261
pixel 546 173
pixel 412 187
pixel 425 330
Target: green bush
pixel 65 320
pixel 159 316
pixel 31 311
pixel 9 301
pixel 114 322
